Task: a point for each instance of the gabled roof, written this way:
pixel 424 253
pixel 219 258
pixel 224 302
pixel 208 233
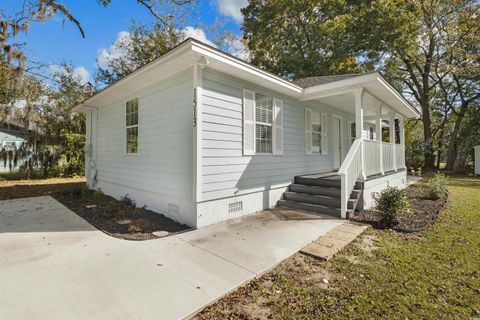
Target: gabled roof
pixel 313 81
pixel 191 52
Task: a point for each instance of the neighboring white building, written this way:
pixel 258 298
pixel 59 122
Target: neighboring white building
pixel 202 137
pixel 477 160
pixel 12 137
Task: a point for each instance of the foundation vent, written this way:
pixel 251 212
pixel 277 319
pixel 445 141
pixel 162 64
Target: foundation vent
pixel 173 208
pixel 235 207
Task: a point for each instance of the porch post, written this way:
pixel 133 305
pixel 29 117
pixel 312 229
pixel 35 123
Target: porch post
pixel 401 127
pixel 359 126
pixel 378 127
pixel 391 122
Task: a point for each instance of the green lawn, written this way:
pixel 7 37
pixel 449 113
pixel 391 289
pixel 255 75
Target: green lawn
pixel 434 274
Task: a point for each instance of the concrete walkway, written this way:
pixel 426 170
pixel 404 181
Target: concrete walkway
pixel 329 244
pixel 54 265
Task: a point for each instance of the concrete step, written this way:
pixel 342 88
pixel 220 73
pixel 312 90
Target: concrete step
pixel 313 199
pixel 335 212
pixel 327 183
pixel 301 188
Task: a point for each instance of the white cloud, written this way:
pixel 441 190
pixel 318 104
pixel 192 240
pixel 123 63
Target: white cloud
pixel 231 8
pixel 81 73
pixel 235 46
pixel 196 33
pixel 115 51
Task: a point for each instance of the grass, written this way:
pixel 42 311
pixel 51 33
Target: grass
pixel 433 275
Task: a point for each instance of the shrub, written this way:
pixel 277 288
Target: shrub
pixel 85 192
pixel 98 196
pixel 111 210
pixel 390 202
pixel 140 225
pixel 437 185
pixel 127 202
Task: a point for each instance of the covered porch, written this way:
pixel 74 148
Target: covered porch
pixel 376 145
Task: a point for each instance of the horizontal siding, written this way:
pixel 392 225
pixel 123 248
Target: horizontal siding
pixel 225 171
pixel 164 162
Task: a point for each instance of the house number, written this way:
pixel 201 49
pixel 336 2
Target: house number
pixel 194 107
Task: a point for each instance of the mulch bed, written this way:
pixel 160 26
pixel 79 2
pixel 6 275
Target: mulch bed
pixel 68 192
pixel 147 221
pixel 422 211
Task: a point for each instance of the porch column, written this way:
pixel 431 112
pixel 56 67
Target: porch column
pixel 378 127
pixel 401 127
pixel 359 126
pixel 391 122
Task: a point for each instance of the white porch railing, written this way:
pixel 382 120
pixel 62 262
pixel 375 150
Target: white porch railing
pixel 388 156
pixel 391 161
pixel 372 157
pixel 400 155
pixel 349 173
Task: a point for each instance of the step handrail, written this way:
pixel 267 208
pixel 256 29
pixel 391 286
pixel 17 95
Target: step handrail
pixel 349 172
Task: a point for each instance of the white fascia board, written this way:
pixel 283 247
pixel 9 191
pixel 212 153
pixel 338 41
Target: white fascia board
pixel 212 53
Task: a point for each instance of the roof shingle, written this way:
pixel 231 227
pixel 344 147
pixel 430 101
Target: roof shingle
pixel 314 81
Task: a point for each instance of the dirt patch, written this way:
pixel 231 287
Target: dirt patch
pixel 421 212
pixel 13 189
pixel 71 193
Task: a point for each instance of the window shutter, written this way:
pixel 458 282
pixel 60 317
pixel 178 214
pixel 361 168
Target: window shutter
pixel 277 126
pixel 248 122
pixel 324 134
pixel 308 131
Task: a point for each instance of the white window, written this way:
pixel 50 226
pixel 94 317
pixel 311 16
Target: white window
pixel 262 124
pixel 315 132
pixel 131 126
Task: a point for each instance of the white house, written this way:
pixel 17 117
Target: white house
pixel 202 137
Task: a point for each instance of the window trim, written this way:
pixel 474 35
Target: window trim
pixel 131 126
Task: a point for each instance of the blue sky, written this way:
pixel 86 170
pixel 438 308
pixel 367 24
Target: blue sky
pixel 58 40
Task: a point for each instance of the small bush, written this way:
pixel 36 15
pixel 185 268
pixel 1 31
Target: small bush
pixel 390 202
pixel 140 225
pixel 111 210
pixel 85 192
pixel 437 186
pixel 127 202
pixel 98 196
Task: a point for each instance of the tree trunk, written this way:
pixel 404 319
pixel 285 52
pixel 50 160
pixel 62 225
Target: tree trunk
pixel 429 163
pixel 453 143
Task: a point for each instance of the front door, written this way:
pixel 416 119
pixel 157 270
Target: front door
pixel 337 145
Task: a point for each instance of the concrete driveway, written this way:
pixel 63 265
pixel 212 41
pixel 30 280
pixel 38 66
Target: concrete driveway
pixel 55 265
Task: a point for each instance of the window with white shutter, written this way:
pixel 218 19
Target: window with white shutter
pixel 278 127
pixel 308 131
pixel 248 122
pixel 324 149
pixel 262 124
pixel 315 132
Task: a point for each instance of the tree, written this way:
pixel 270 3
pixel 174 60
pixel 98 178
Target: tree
pixel 408 40
pixel 143 45
pixel 42 10
pixel 301 38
